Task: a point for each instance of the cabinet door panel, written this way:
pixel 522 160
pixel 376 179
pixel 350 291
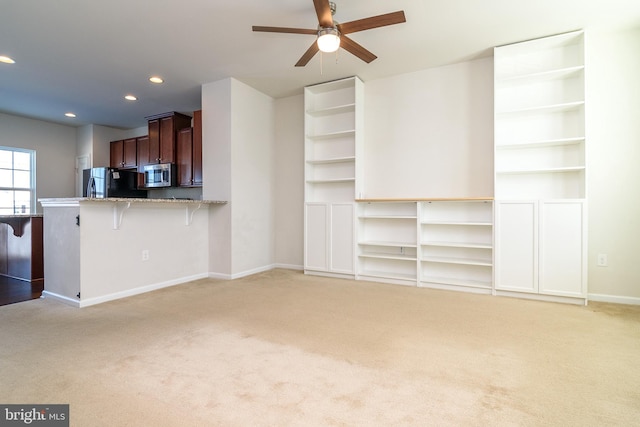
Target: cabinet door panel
pixel 130 155
pixel 116 153
pixel 197 147
pixel 167 140
pixel 516 246
pixel 142 148
pixel 316 237
pixel 562 248
pixel 342 238
pixel 154 141
pixel 183 157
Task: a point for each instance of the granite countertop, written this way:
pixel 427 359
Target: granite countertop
pixel 126 199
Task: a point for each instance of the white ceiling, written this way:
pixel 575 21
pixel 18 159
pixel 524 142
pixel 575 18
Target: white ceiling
pixel 84 56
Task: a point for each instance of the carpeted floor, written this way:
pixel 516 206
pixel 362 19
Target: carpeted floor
pixel 284 349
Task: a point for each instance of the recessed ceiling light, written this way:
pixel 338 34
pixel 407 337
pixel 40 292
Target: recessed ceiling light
pixel 69 115
pixel 130 98
pixel 7 60
pixel 155 79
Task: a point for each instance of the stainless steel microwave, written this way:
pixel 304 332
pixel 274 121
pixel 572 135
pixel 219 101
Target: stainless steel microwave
pixel 160 175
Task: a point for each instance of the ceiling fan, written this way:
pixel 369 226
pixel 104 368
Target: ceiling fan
pixel 332 35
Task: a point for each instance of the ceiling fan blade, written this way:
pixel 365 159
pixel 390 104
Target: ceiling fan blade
pixel 284 30
pixel 323 10
pixel 313 49
pixel 372 22
pixel 350 46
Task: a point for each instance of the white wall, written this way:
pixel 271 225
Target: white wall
pixel 55 147
pixel 238 144
pixel 289 182
pixel 430 133
pixel 252 146
pixel 216 171
pixel 613 172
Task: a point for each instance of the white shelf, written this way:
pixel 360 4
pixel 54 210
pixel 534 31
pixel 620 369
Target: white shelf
pixel 553 108
pixel 387 275
pixel 339 109
pixel 334 160
pixel 464 223
pixel 542 144
pixel 388 256
pixel 542 170
pixel 456 282
pixel 561 73
pixel 387 243
pixel 464 261
pixel 388 217
pixel 333 135
pixel 330 181
pixel 458 245
pixel 332 86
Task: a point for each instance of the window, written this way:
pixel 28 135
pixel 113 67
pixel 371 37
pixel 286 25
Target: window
pixel 17 181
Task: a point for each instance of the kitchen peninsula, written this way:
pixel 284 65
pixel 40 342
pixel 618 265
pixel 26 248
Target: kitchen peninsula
pixel 97 250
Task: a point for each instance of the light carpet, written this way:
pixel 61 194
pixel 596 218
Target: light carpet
pixel 282 348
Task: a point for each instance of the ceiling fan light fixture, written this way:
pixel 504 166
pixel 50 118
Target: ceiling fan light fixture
pixel 328 39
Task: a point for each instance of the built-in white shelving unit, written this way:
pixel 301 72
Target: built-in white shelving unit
pixel 333 134
pixel 540 166
pixel 387 242
pixel 539 119
pixel 432 243
pixel 456 242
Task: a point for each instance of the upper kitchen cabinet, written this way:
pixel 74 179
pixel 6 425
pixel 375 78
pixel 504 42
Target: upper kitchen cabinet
pixel 162 137
pixel 197 148
pixel 124 154
pixel 189 153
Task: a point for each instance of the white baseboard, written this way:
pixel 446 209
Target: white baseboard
pixel 614 299
pixel 245 273
pixel 61 298
pixel 289 266
pixel 122 294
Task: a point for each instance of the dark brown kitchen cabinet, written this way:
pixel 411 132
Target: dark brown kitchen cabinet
pixel 189 167
pixel 197 148
pixel 184 155
pixel 142 146
pixel 162 136
pixel 124 154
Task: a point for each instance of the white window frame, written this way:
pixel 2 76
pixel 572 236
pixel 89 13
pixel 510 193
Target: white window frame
pixel 32 178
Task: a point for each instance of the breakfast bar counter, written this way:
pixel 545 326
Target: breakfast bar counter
pixel 97 250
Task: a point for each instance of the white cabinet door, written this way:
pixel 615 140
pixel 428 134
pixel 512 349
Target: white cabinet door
pixel 316 220
pixel 342 238
pixel 562 248
pixel 329 237
pixel 516 246
pixel 541 247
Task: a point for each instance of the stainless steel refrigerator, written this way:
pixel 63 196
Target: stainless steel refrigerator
pixel 107 182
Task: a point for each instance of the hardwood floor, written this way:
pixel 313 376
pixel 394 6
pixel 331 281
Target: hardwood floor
pixel 13 290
